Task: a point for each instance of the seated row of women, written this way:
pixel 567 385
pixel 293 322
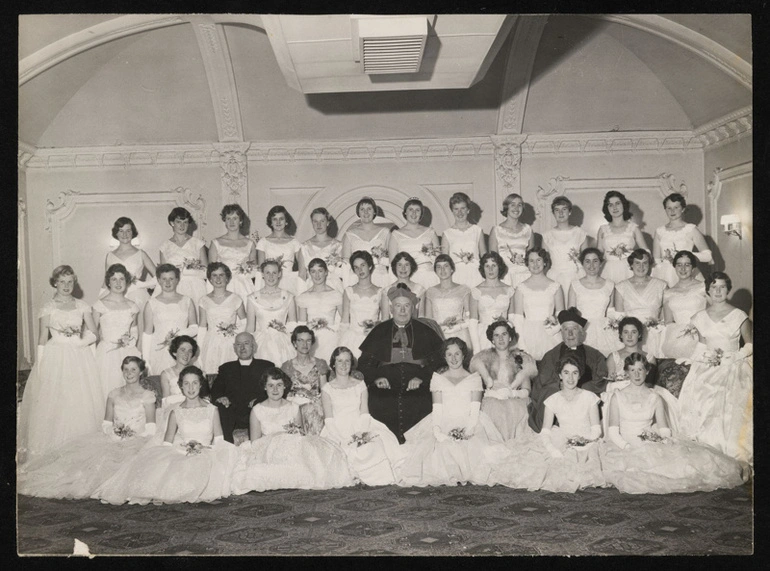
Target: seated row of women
pixel 458 443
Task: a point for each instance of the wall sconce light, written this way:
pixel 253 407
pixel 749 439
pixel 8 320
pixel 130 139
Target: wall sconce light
pixel 732 224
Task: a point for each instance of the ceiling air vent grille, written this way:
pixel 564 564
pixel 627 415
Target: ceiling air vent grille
pixel 392 45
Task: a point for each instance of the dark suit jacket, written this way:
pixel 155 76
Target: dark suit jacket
pixel 240 384
pixel 547 381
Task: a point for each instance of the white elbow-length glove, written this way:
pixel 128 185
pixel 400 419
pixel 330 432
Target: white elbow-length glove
pixel 616 438
pixel 545 435
pixel 704 256
pixel 436 418
pixel 473 418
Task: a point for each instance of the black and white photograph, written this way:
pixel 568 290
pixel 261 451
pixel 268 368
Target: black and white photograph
pixel 450 284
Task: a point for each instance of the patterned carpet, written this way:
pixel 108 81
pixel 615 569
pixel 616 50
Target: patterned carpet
pixel 388 520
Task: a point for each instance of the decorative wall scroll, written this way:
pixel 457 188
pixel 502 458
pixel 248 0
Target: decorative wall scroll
pixel 507 163
pixel 68 200
pixel 714 189
pixel 234 173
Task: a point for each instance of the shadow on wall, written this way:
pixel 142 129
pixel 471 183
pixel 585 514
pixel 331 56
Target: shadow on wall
pixel 742 299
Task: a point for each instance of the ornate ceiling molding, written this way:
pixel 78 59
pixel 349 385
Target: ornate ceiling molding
pixel 615 142
pixel 726 129
pixel 521 58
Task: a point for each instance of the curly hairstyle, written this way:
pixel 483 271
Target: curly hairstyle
pixel 403 256
pixel 630 320
pixel 623 200
pixel 543 253
pixel 502 268
pixel 122 221
pixel 181 213
pixel 233 209
pixel 116 269
pixel 719 276
pixel 176 342
pixel 508 327
pixel 213 266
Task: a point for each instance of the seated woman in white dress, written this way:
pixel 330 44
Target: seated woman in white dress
pixel 360 304
pixel 641 296
pixel 511 239
pixel 451 445
pixel 194 463
pixel 564 243
pixel 372 237
pixel 491 300
pixel 674 236
pixel 680 303
pixel 78 468
pixel 166 316
pixel 464 242
pixel 449 302
pixel 617 239
pixel 418 241
pixel 237 251
pixel 372 450
pixel 717 394
pixel 560 459
pixel 219 313
pixel 271 315
pixel 115 318
pixel 321 308
pixel 281 246
pixel 280 454
pixel 637 459
pixel 187 253
pixel 63 397
pixel 138 263
pixel 506 372
pixel 593 296
pixel 536 303
pixel 323 246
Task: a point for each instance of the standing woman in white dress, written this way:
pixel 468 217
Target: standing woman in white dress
pixel 564 243
pixel 115 319
pixel 618 238
pixel 370 237
pixel 717 394
pixel 511 239
pixel 166 316
pixel 281 247
pixel 536 303
pixel 183 350
pixel 218 315
pixel 674 236
pixel 417 240
pixel 680 303
pixel 236 251
pixel 593 295
pixel 491 301
pixel 404 266
pixel 187 253
pixel 360 304
pixel 323 246
pixel 449 302
pixel 63 397
pixel 271 315
pixel 321 307
pixel 136 261
pixel 464 241
pixel 641 296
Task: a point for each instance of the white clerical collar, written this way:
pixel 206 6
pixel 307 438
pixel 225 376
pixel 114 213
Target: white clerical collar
pixel 245 363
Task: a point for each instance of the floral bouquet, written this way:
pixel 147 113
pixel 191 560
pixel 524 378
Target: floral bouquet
pixel 430 251
pixel 318 323
pixel 515 256
pixel 193 264
pixel 167 339
pixel 578 441
pixel 668 255
pixel 612 323
pixel 226 330
pixel 551 323
pixel 652 323
pixel 465 257
pixel 69 331
pixel 450 323
pixel 254 236
pixel 361 438
pixel 123 431
pixel 620 251
pixel 367 325
pixel 574 256
pixel 278 260
pixel 650 436
pixel 616 376
pixel 194 447
pixel 246 268
pixel 335 259
pixel 293 428
pixel 689 331
pixel 458 434
pixel 301 393
pixel 277 325
pixel 378 252
pixel 713 358
pixel 123 342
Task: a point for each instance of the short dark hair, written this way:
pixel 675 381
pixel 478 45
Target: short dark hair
pixel 714 276
pixel 192 370
pixel 623 199
pixel 413 202
pixel 321 210
pixel 317 262
pixel 542 252
pixel 675 197
pixel 403 256
pixel 508 327
pixel 116 269
pixel 179 212
pixel 362 255
pixel 134 359
pixel 176 342
pixel 458 198
pixel 122 221
pixel 571 360
pixel 502 268
pixel 233 208
pixel 166 268
pixel 636 358
pixel 277 209
pixel 276 373
pixel 444 258
pixel 686 254
pixel 638 254
pixel 299 329
pixel 337 352
pixel 630 320
pixel 213 266
pixel 369 201
pixel 561 201
pixel 587 251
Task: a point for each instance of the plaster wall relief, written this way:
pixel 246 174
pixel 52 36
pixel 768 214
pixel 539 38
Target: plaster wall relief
pixel 507 165
pixel 234 173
